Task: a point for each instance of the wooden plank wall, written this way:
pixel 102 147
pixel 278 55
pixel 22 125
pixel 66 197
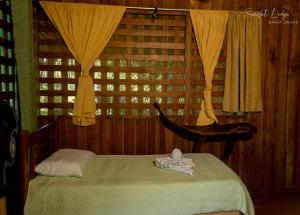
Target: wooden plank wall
pixel 271 161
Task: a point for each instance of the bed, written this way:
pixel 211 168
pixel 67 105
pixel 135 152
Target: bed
pixel 129 184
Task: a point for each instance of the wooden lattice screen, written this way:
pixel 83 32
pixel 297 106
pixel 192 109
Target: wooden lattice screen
pixel 144 62
pixel 7 60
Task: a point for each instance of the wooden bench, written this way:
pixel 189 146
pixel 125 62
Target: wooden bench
pixel 228 133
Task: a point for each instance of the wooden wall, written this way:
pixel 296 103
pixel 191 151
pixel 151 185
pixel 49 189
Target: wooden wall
pixel 271 161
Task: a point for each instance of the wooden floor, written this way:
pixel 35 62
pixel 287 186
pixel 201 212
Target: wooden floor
pixel 277 204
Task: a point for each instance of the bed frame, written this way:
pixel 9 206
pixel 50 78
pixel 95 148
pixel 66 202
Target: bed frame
pixel 36 146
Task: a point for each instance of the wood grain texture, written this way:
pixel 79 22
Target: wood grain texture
pixel 271 161
pixel 277 203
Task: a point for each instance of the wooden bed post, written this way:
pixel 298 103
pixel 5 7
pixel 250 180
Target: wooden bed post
pixel 24 166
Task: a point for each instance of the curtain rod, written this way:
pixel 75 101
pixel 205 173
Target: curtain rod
pixel 153 8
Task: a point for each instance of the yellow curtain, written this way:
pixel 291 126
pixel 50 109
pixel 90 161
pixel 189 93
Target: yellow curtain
pixel 86 29
pixel 243 78
pixel 209 27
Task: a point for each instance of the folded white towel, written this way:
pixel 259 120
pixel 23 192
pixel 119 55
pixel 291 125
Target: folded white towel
pixel 184 165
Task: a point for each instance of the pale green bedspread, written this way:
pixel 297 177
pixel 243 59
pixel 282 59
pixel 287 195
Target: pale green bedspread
pixel 131 184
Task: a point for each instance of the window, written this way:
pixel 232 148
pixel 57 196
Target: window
pixel 7 60
pixel 143 63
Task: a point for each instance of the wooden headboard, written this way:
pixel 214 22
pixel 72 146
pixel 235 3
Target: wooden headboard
pixel 34 147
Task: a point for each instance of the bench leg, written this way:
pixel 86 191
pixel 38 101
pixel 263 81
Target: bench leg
pixel 228 149
pixel 197 144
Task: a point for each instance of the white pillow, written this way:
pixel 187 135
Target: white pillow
pixel 65 162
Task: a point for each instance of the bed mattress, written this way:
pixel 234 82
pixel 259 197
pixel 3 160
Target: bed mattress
pixel 131 184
